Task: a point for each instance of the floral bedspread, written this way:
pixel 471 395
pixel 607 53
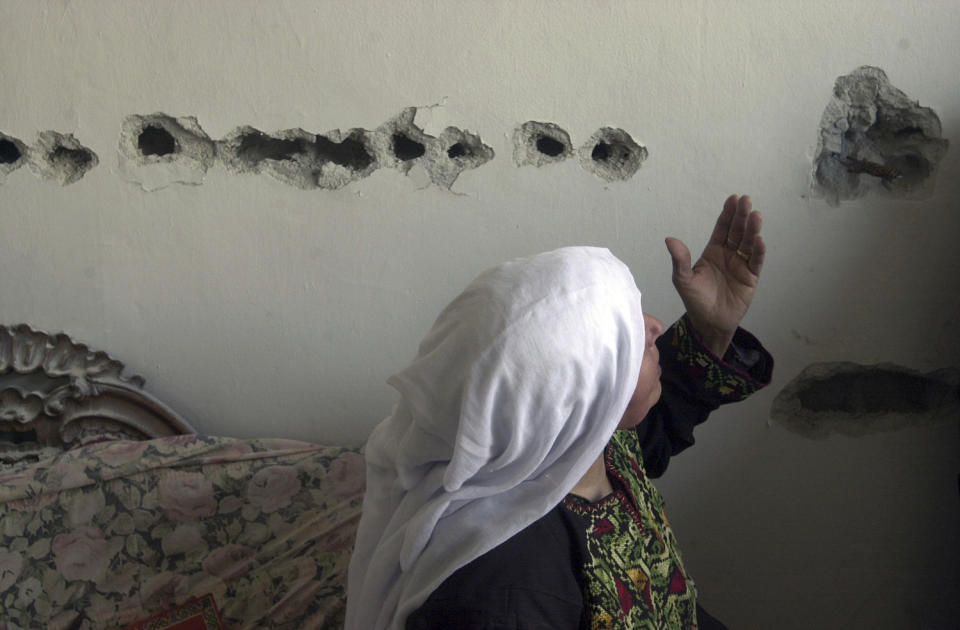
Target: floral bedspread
pixel 111 533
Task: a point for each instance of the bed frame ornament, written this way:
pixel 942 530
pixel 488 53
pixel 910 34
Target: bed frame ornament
pixel 56 393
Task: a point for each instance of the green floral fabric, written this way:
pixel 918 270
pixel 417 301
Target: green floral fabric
pixel 111 533
pixel 634 576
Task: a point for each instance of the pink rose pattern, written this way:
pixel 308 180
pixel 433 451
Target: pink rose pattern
pixel 306 496
pixel 184 496
pixel 272 488
pixel 229 562
pixel 349 475
pixel 80 554
pixel 119 453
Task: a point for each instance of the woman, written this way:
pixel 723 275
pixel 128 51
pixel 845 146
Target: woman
pixel 500 492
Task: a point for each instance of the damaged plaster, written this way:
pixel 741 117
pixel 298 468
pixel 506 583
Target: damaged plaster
pixel 455 151
pixel 855 400
pixel 157 150
pixel 872 136
pixel 60 158
pixel 611 154
pixel 540 143
pixel 334 159
pixel 299 158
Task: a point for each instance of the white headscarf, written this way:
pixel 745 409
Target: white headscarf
pixel 515 392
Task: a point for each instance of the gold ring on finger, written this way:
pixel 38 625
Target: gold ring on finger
pixel 731 244
pixel 746 257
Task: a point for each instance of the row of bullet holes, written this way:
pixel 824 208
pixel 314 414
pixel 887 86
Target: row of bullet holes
pixel 350 153
pixel 615 154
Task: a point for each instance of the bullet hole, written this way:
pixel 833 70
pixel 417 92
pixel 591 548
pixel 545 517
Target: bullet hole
pixel 257 146
pixel 407 149
pixel 351 152
pixel 13 155
pixel 155 140
pixel 549 146
pixel 601 152
pixel 157 150
pixel 400 144
pixel 873 137
pixel 464 151
pixel 9 152
pixel 854 400
pixel 64 156
pixel 61 158
pixel 540 143
pixel 297 157
pixel 612 154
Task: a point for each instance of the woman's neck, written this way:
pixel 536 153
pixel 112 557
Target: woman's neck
pixel 594 485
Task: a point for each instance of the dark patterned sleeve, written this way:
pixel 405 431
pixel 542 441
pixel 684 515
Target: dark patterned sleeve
pixel 696 382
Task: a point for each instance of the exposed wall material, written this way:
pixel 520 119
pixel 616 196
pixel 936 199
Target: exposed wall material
pixel 334 159
pixel 854 400
pixel 12 155
pixel 611 154
pixel 455 150
pixel 399 143
pixel 872 136
pixel 539 143
pixel 157 150
pixel 60 158
pixel 299 158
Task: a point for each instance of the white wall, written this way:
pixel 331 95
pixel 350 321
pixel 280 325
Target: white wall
pixel 259 309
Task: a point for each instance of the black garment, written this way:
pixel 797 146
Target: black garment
pixel 534 581
pixel 539 592
pixel 529 582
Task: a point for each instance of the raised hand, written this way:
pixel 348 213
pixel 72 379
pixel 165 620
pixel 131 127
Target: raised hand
pixel 718 288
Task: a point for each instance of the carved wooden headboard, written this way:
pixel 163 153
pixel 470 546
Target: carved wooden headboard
pixel 56 393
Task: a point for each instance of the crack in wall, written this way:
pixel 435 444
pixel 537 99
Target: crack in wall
pixel 872 136
pixel 854 400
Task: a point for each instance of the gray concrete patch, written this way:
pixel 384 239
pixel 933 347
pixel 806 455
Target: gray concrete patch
pixel 456 150
pixel 157 150
pixel 612 155
pixel 873 137
pixel 60 158
pixel 540 143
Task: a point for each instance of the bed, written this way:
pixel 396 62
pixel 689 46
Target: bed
pixel 115 513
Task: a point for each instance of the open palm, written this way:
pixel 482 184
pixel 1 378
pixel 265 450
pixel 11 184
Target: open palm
pixel 718 288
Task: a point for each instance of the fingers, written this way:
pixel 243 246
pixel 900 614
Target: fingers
pixel 680 256
pixel 755 264
pixel 738 229
pixel 751 229
pixel 722 228
pixel 738 223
